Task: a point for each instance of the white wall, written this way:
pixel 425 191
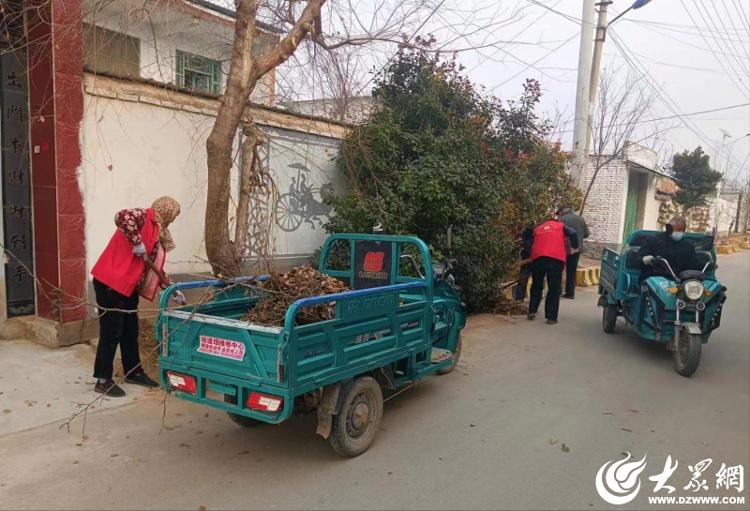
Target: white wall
pixel 725 210
pixel 135 151
pixel 652 205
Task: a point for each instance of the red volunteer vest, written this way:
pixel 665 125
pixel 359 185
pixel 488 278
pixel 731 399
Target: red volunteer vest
pixel 117 267
pixel 549 241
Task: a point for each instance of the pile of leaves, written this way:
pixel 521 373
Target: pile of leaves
pixel 281 290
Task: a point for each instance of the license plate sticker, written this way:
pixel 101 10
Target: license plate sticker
pixel 223 348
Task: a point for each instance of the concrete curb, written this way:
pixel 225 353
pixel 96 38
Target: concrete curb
pixel 587 277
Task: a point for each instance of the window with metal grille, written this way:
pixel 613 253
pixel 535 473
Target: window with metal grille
pixel 198 73
pixel 107 51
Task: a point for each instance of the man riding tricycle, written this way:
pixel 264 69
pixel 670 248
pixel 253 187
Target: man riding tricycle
pixel 664 284
pixel 400 322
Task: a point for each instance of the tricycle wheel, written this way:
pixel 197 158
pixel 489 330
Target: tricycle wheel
pixel 243 421
pixel 609 317
pixel 358 421
pixel 686 352
pixel 454 361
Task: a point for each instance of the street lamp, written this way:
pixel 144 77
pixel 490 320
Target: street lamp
pixel 636 5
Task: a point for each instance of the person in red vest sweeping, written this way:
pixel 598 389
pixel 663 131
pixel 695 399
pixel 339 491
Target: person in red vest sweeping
pixel 132 264
pixel 549 250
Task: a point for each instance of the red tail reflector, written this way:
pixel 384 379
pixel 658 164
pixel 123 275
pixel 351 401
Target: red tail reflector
pixel 264 402
pixel 182 382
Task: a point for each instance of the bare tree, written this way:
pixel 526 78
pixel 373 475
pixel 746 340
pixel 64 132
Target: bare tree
pixel 620 108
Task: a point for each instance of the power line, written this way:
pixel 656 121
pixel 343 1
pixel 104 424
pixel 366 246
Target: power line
pixel 691 30
pixel 731 21
pixel 721 62
pixel 662 94
pixel 674 26
pixel 676 116
pixel 741 11
pixel 740 62
pixel 731 63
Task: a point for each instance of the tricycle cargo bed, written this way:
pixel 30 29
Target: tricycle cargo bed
pixel 371 327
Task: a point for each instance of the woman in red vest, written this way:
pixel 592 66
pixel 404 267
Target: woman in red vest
pixel 548 253
pixel 132 264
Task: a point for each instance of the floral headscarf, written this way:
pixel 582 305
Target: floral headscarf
pixel 166 210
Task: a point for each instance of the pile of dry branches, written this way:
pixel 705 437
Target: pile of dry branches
pixel 281 290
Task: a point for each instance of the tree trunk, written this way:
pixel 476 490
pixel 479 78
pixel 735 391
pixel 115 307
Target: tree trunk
pixel 219 247
pixel 224 254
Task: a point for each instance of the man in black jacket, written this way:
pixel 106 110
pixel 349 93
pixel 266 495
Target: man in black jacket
pixel 576 222
pixel 670 245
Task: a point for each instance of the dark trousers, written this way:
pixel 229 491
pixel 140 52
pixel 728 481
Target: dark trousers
pixel 115 328
pixel 552 270
pixel 519 290
pixel 571 265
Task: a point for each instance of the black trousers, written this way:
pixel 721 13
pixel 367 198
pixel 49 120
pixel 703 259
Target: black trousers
pixel 551 269
pixel 571 265
pixel 116 328
pixel 519 290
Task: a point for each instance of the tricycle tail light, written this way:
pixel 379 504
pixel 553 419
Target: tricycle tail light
pixel 182 382
pixel 264 402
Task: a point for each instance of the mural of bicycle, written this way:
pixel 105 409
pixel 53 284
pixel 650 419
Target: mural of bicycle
pixel 299 204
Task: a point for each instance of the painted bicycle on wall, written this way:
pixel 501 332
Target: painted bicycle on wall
pixel 300 205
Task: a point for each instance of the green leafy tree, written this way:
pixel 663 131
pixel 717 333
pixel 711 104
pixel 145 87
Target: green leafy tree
pixel 695 178
pixel 439 153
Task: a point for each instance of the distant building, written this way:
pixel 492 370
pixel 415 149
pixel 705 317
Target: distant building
pixel 627 194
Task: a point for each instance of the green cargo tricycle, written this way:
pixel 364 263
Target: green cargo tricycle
pixel 679 311
pixel 395 326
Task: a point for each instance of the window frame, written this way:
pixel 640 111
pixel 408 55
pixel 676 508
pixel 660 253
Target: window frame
pixel 184 62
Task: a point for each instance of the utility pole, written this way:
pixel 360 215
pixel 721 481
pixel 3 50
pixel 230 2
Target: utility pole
pixel 588 79
pixel 581 129
pixel 601 35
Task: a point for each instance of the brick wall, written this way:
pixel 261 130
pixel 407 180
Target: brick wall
pixel 606 201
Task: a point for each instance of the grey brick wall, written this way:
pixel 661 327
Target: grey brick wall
pixel 603 211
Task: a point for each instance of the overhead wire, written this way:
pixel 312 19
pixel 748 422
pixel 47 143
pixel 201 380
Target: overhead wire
pixel 720 61
pixel 746 47
pixel 741 63
pixel 742 14
pixel 662 95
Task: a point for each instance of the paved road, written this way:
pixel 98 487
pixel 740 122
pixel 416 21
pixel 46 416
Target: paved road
pixel 525 422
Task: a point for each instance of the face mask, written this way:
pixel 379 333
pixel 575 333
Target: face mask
pixel 677 236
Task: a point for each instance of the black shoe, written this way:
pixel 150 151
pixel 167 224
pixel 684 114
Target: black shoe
pixel 109 388
pixel 551 321
pixel 530 316
pixel 141 379
pixel 569 297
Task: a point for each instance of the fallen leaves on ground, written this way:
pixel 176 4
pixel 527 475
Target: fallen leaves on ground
pixel 510 307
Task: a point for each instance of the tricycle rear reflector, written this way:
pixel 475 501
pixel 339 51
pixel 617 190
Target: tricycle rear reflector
pixel 264 402
pixel 182 382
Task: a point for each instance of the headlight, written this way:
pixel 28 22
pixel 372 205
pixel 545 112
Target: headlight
pixel 693 289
